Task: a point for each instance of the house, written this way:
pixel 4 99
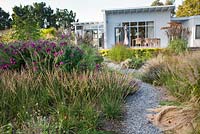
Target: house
pixel 141 27
pixel 193 24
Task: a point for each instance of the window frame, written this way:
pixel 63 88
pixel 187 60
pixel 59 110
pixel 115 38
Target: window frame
pixel 197 38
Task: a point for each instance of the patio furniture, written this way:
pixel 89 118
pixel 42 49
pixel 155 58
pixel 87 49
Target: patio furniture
pixel 152 42
pixel 138 41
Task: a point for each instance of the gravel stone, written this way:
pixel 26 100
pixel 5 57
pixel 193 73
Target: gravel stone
pixel 135 120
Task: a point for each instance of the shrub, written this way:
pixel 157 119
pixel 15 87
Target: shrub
pixel 56 101
pixel 136 63
pixel 72 58
pixel 91 58
pixel 84 57
pixel 48 33
pixel 119 53
pixel 178 46
pixel 36 55
pixel 152 69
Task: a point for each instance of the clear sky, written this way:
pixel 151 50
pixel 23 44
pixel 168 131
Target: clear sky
pixel 86 10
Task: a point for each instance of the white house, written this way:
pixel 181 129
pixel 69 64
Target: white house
pixel 141 27
pixel 193 24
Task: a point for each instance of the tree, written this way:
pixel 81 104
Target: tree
pixel 64 17
pixel 157 3
pixel 25 24
pixel 43 13
pixel 189 8
pixel 5 21
pixel 169 2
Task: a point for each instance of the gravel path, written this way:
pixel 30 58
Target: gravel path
pixel 135 121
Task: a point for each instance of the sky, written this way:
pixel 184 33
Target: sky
pixel 86 10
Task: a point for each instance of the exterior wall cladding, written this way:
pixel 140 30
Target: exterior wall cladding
pixel 191 23
pixel 160 19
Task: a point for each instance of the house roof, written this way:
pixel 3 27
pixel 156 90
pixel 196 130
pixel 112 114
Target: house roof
pixel 184 18
pixel 86 23
pixel 139 9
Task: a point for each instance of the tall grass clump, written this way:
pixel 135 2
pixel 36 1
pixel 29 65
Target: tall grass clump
pixel 179 73
pixel 59 102
pixel 178 46
pixel 119 53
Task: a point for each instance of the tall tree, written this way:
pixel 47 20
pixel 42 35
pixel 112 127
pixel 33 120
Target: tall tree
pixel 24 23
pixel 189 8
pixel 64 17
pixel 5 21
pixel 157 3
pixel 43 13
pixel 169 2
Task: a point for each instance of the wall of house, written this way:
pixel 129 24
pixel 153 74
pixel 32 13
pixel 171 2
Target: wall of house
pixel 191 24
pixel 112 20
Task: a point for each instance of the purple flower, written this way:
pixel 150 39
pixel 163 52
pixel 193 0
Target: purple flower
pixel 5 66
pixel 53 45
pixel 62 36
pixel 14 52
pixel 63 44
pixel 56 65
pixel 56 54
pixel 38 48
pixel 34 63
pixel 12 61
pixel 97 67
pixel 35 68
pixel 1 45
pixel 61 63
pixel 61 52
pixel 48 50
pixel 6 50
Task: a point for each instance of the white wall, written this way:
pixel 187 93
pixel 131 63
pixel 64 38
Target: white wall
pixel 160 20
pixel 191 25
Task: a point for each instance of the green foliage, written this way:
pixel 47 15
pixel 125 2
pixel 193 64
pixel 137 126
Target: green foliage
pixel 91 57
pixel 169 2
pixel 188 8
pixel 56 101
pixel 25 24
pixel 72 58
pixel 157 3
pixel 137 56
pixel 178 73
pixel 5 21
pixel 48 33
pixel 119 53
pixel 64 18
pixel 82 58
pixel 136 63
pixel 41 13
pixel 152 70
pixel 177 46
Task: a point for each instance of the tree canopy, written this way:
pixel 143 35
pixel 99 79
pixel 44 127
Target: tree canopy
pixel 27 20
pixel 189 8
pixel 5 21
pixel 159 3
pixel 25 23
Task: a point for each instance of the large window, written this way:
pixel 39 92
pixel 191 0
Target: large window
pixel 142 29
pixel 197 32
